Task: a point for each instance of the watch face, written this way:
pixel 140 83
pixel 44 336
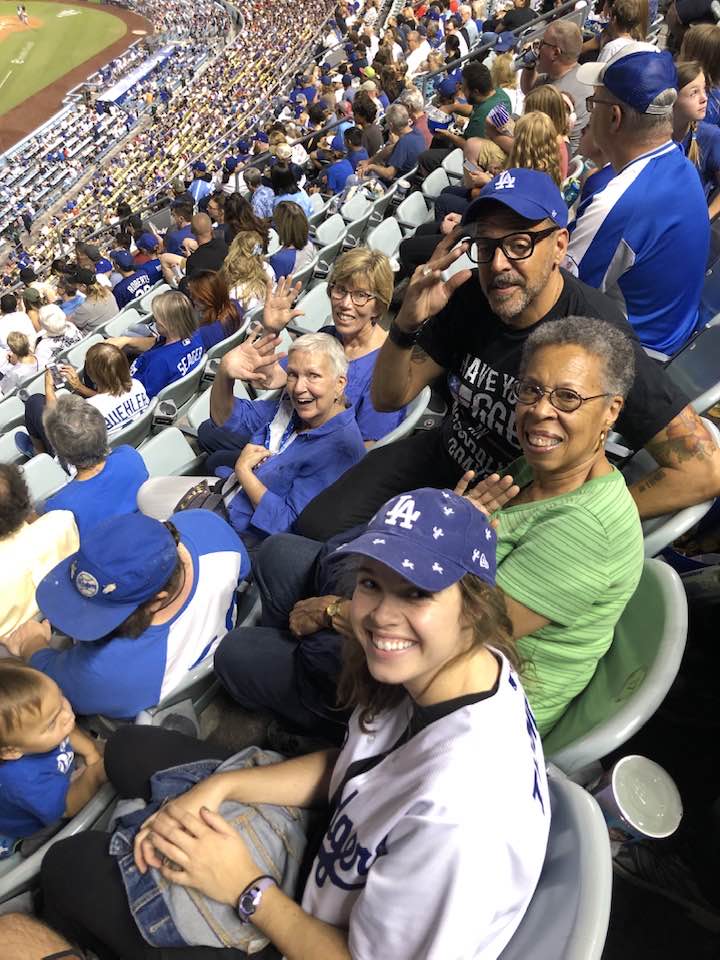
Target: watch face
pixel 248 902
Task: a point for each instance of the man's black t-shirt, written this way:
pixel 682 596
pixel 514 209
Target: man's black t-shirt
pixel 517 17
pixel 208 256
pixel 482 357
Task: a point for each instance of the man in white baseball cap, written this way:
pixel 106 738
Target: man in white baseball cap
pixel 644 239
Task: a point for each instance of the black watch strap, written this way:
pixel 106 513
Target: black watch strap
pixel 406 341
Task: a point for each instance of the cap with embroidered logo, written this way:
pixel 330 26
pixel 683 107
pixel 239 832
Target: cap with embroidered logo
pixel 430 537
pixel 123 562
pixel 529 193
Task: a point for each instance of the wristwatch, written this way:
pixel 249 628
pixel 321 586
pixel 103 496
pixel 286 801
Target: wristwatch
pixel 250 898
pixel 332 610
pixel 402 339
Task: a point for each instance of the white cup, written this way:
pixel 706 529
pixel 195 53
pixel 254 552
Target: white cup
pixel 639 800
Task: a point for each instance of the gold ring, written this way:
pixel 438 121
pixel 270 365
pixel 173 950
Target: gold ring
pixel 426 271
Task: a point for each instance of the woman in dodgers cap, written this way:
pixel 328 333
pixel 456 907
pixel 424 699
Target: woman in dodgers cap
pixel 438 806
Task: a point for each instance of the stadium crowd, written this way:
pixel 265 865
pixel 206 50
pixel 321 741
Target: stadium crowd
pixel 528 247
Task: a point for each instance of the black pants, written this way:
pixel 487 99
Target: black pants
pixel 266 667
pixel 417 461
pixel 431 159
pixel 83 894
pixel 34 409
pixel 223 446
pixel 418 248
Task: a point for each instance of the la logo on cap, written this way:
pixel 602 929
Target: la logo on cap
pixel 403 512
pixel 505 181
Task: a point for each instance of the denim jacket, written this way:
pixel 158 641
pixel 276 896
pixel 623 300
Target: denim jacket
pixel 168 915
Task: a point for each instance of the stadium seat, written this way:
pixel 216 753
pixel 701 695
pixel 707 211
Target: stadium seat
pixel 329 230
pixel 568 916
pixel 415 411
pixel 273 242
pixel 453 165
pixel 320 207
pixel 147 299
pixel 43 476
pixel 9 453
pixel 326 257
pixel 660 532
pixel 219 350
pixel 462 263
pixel 412 212
pixel 381 205
pixel 183 389
pixel 696 369
pixel 434 184
pixel 356 231
pixel 199 409
pixel 356 208
pixel 119 324
pixel 75 356
pixel 12 413
pixel 19 875
pixel 168 454
pixel 317 312
pixel 304 276
pixel 386 237
pixel 631 680
pixel 137 431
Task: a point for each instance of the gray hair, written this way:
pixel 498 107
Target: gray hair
pixel 325 344
pixel 397 117
pixel 648 126
pixel 77 432
pixel 412 99
pixel 603 340
pixel 252 177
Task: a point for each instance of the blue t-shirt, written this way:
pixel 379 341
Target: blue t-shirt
pixel 67 306
pixel 153 270
pixel 596 182
pixel 110 493
pixel 124 675
pixel 167 362
pixel 708 140
pixel 174 239
pixel 712 114
pixel 406 152
pixel 337 174
pixel 357 156
pixel 33 790
pixel 131 287
pixel 283 262
pixel 644 241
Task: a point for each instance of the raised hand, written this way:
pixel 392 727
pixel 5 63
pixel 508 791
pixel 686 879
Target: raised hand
pixel 427 293
pixel 278 310
pixel 253 360
pixel 488 495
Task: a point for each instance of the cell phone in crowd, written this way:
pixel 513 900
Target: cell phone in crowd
pixel 470 166
pixel 499 116
pixel 57 378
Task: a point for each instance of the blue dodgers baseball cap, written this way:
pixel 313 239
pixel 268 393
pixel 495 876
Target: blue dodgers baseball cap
pixel 123 259
pixel 122 563
pixel 447 87
pixel 147 242
pixel 505 41
pixel 530 193
pixel 637 74
pixel 261 137
pixel 200 166
pixel 243 147
pixel 103 266
pixel 430 537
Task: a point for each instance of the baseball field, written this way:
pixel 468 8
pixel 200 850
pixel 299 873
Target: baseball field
pixel 59 47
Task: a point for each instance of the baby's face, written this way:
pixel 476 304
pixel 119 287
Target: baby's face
pixel 43 731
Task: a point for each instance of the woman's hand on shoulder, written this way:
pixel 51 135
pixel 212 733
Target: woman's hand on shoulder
pixel 488 495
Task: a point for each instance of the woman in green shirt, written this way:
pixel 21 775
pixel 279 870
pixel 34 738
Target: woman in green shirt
pixel 570 546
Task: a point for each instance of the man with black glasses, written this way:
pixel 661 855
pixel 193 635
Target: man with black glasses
pixel 474 332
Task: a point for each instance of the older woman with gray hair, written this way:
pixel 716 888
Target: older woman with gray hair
pixel 570 547
pixel 296 446
pixel 105 483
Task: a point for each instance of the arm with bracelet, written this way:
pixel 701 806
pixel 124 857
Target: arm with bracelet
pixel 402 369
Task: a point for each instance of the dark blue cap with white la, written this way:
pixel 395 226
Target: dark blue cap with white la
pixel 529 193
pixel 121 564
pixel 431 538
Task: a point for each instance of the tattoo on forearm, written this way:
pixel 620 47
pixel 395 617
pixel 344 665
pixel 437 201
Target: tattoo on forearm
pixel 652 480
pixel 686 438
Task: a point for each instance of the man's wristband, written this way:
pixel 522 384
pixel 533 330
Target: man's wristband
pixel 406 341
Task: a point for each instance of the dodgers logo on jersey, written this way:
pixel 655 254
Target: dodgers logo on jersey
pixel 341 853
pixel 65 757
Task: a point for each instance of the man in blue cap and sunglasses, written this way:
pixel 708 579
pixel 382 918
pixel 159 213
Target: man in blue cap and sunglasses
pixel 471 328
pixel 644 239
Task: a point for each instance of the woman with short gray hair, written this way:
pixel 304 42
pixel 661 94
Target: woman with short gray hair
pixel 294 446
pixel 105 483
pixel 570 546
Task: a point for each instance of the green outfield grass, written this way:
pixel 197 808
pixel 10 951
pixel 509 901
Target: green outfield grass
pixel 50 50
